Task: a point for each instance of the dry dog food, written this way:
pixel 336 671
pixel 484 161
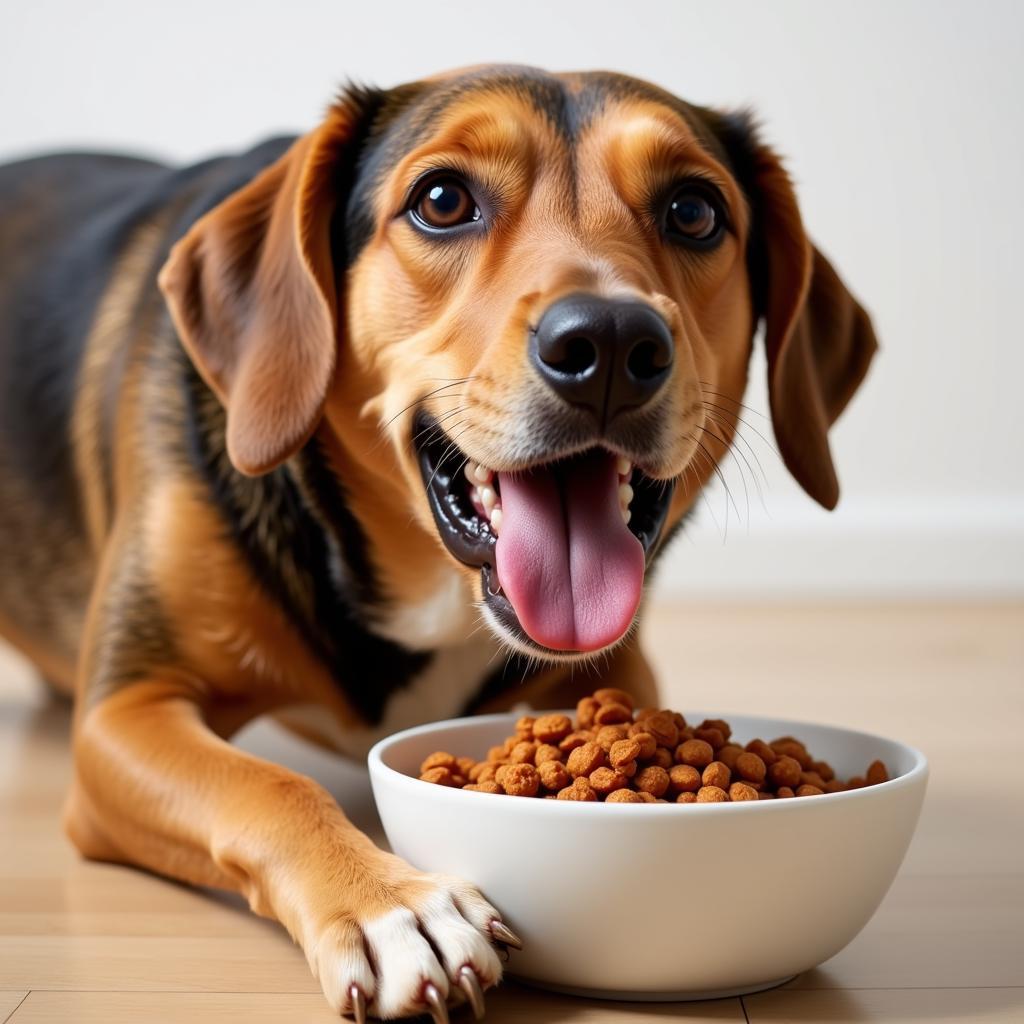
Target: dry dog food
pixel 620 755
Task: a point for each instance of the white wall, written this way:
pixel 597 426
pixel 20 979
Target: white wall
pixel 902 122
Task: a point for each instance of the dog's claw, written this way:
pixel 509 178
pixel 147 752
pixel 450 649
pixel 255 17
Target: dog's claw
pixel 435 1004
pixel 355 993
pixel 470 985
pixel 502 933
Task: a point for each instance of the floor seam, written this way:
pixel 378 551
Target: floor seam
pixel 21 1003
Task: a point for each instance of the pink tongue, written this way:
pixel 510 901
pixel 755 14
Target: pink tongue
pixel 566 560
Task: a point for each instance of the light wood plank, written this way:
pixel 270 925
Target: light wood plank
pixel 886 1006
pixel 9 1002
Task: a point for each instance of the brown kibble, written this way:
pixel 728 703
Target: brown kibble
pixel 663 728
pixel 623 796
pixel 717 723
pixel 584 760
pixel 579 790
pixel 628 769
pixel 439 760
pixel 877 772
pixel 546 752
pixel 710 735
pixel 586 709
pixel 684 778
pixel 794 749
pixel 750 767
pixel 607 780
pixel 763 751
pixel 742 791
pixel 552 728
pixel 785 772
pixel 623 751
pixel 686 798
pixel 553 775
pixel 440 776
pixel 652 779
pixel 496 754
pixel 643 713
pixel 523 752
pixel 764 795
pixel 519 780
pixel 609 695
pixel 809 791
pixel 835 786
pixel 484 772
pixel 466 765
pixel 613 714
pixel 857 782
pixel 784 792
pixel 812 778
pixel 648 744
pixel 717 774
pixel 459 780
pixel 695 752
pixel 711 795
pixel 609 734
pixel 728 754
pixel 575 739
pixel 649 798
pixel 824 769
pixel 524 727
pixel 662 758
pixel 485 787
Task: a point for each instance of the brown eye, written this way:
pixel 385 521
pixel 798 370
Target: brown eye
pixel 445 203
pixel 693 216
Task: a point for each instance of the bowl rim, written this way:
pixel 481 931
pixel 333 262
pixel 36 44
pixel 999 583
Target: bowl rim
pixel 917 774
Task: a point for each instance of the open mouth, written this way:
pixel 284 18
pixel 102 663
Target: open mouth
pixel 562 546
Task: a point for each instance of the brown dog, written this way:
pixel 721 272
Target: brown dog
pixel 416 368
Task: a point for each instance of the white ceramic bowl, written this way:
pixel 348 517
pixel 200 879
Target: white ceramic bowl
pixel 656 901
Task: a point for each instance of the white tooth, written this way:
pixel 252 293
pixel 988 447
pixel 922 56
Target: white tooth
pixel 488 498
pixel 469 471
pixel 496 516
pixel 474 494
pixel 482 474
pixel 626 515
pixel 625 495
pixel 623 465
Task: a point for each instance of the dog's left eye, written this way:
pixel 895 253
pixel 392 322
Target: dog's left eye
pixel 445 203
pixel 694 215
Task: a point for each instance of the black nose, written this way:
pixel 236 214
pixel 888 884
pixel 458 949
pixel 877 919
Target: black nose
pixel 603 355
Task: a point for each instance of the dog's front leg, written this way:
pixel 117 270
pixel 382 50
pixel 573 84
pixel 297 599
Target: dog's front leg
pixel 155 787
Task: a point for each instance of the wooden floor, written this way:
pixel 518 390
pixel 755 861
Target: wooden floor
pixel 85 943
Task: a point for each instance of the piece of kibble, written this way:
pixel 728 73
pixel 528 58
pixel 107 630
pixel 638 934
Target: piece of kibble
pixel 710 735
pixel 784 792
pixel 524 727
pixel 466 765
pixel 662 758
pixel 612 714
pixel 652 779
pixel 623 796
pixel 711 795
pixel 648 744
pixel 440 776
pixel 684 778
pixel 697 753
pixel 553 775
pixel 552 728
pixel 809 791
pixel 607 780
pixel 579 790
pixel 785 772
pixel 792 748
pixel 642 713
pixel 484 787
pixel 717 723
pixel 716 774
pixel 523 752
pixel 877 772
pixel 649 798
pixel 765 794
pixel 629 769
pixel 546 752
pixel 519 780
pixel 728 754
pixel 609 695
pixel 812 778
pixel 663 728
pixel 750 768
pixel 496 754
pixel 835 786
pixel 439 760
pixel 606 735
pixel 686 798
pixel 763 751
pixel 584 760
pixel 575 739
pixel 824 769
pixel 623 751
pixel 743 791
pixel 586 708
pixel 484 772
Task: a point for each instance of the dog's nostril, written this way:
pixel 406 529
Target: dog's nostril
pixel 647 360
pixel 580 354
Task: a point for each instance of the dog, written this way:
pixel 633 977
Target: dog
pixel 377 425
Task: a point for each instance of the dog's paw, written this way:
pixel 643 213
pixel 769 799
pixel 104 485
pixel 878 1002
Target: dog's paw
pixel 431 946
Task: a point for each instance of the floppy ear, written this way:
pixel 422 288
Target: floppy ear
pixel 251 291
pixel 819 340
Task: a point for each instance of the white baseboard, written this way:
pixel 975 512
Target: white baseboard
pixel 889 547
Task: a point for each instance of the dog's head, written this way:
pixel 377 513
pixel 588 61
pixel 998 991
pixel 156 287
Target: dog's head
pixel 520 308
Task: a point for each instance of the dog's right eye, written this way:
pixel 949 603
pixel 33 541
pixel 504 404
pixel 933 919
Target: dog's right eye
pixel 444 203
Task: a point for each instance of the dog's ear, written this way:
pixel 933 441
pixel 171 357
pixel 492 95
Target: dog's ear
pixel 252 293
pixel 819 340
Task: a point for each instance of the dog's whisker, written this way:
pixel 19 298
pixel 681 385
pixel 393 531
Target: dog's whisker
pixel 767 440
pixel 733 450
pixel 728 398
pixel 738 434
